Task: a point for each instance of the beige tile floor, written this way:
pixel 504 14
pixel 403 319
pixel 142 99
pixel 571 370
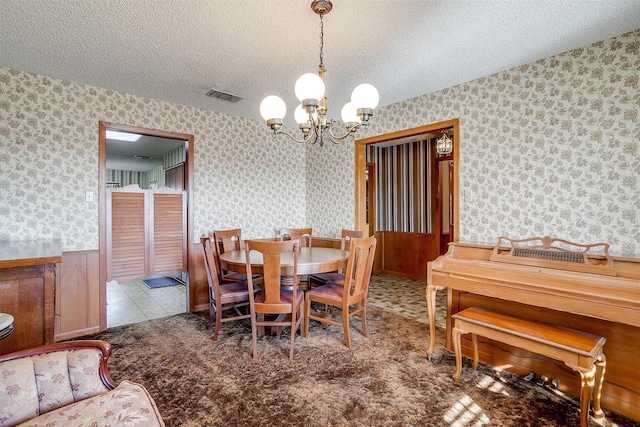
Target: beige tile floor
pixel 133 302
pixel 405 297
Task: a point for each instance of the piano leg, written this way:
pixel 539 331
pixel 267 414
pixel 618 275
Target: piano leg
pixel 590 390
pixel 431 313
pixel 597 387
pixel 457 348
pixel 586 391
pixel 474 340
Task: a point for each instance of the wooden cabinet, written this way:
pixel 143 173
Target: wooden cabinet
pixel 27 291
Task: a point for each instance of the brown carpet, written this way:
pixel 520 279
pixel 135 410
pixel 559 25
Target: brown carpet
pixel 383 380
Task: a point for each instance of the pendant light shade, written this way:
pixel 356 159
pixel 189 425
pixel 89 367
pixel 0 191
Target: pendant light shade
pixel 301 114
pixel 309 86
pixel 349 113
pixel 365 96
pixel 273 107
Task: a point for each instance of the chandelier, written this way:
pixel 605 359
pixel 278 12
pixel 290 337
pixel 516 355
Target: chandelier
pixel 311 114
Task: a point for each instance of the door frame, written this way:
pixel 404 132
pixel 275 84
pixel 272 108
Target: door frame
pixel 102 205
pixel 370 203
pixel 443 199
pixel 361 164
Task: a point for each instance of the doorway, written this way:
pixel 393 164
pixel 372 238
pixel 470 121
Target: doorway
pixel 103 182
pixel 406 253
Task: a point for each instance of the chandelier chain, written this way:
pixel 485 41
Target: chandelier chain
pixel 321 42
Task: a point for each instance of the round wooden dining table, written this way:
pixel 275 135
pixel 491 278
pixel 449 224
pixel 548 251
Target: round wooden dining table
pixel 310 261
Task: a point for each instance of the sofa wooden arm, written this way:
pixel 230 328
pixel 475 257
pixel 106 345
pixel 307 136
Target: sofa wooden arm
pixel 102 346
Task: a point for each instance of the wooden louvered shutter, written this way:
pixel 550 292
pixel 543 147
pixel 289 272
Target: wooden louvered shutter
pixel 128 237
pixel 169 253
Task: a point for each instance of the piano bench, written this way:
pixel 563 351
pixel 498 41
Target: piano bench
pixel 580 351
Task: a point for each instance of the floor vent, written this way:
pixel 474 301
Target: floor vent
pixel 222 95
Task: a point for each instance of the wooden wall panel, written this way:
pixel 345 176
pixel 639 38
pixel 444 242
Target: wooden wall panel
pixel 198 280
pixel 325 242
pixel 378 266
pixel 77 295
pixel 407 254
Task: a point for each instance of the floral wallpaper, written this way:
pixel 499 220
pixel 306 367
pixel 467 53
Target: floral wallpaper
pixel 547 148
pixel 49 158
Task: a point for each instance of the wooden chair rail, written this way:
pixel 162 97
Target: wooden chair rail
pixel 580 351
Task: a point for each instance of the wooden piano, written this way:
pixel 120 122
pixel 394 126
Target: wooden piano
pixel 553 281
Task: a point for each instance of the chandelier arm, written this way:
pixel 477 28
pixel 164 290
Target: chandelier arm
pixel 284 132
pixel 337 139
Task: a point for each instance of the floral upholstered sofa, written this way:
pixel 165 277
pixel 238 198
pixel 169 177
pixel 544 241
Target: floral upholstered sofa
pixel 67 384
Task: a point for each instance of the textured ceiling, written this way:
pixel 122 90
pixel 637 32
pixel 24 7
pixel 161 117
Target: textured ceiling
pixel 177 50
pixel 143 155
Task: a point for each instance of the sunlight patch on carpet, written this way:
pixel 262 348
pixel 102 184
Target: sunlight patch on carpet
pixel 491 384
pixel 464 413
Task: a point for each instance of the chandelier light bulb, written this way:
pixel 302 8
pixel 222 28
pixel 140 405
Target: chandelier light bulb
pixel 365 96
pixel 349 113
pixel 301 114
pixel 309 86
pixel 273 107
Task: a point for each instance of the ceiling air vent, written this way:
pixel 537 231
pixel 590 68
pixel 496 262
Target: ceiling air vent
pixel 222 95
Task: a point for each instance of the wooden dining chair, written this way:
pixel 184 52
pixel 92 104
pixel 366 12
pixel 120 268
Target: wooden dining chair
pixel 229 296
pixel 286 304
pixel 302 234
pixel 225 241
pixel 351 297
pixel 319 279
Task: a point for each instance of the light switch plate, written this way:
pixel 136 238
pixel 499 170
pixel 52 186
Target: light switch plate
pixel 88 196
